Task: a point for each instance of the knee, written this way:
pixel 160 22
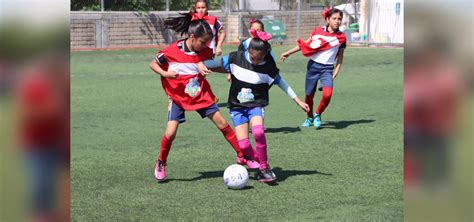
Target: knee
pixel 327 93
pixel 258 133
pixel 327 96
pixel 221 124
pixel 170 135
pixel 244 143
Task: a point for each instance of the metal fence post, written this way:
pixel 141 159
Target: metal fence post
pixel 298 18
pixel 228 6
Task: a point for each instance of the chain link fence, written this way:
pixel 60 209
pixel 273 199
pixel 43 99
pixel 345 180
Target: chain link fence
pixel 364 22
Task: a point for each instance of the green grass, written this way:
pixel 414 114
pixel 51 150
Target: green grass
pixel 351 170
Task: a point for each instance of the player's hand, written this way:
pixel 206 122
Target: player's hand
pixel 203 70
pixel 334 76
pixel 229 78
pixel 171 74
pixel 304 106
pixel 284 56
pixel 218 51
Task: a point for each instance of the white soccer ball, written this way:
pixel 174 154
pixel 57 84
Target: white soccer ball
pixel 236 176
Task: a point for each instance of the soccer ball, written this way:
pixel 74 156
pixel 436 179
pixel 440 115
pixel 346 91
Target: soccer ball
pixel 236 176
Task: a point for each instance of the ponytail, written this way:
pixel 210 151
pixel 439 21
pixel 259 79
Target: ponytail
pixel 179 24
pixel 186 24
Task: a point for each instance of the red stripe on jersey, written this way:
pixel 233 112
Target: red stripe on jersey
pixel 321 40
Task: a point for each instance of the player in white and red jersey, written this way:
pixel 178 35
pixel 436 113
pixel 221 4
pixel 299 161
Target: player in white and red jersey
pixel 200 9
pixel 325 48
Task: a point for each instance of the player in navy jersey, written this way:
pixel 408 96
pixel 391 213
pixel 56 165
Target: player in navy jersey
pixel 253 72
pixel 325 48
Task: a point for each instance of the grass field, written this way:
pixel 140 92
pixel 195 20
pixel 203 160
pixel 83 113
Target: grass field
pixel 350 170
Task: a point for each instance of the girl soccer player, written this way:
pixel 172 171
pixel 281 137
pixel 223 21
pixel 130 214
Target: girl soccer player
pixel 256 25
pixel 325 48
pixel 201 8
pixel 253 74
pixel 186 88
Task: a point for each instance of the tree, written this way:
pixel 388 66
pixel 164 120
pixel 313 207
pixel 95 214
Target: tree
pixel 139 5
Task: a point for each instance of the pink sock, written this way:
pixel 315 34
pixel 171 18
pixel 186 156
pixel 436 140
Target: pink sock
pixel 261 145
pixel 247 149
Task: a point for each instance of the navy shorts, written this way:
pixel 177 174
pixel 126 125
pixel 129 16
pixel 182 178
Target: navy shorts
pixel 241 116
pixel 317 71
pixel 175 112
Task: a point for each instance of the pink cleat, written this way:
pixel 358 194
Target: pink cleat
pixel 160 171
pixel 251 164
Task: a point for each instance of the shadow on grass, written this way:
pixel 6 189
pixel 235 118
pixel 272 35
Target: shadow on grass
pixel 284 130
pixel 281 174
pixel 344 124
pixel 204 175
pixel 245 188
pixel 284 174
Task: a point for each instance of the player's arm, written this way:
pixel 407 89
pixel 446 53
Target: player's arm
pixel 155 66
pixel 289 91
pixel 220 40
pixel 218 65
pixel 340 58
pixel 287 54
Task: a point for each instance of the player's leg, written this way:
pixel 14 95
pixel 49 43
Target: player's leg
pixel 326 86
pixel 311 81
pixel 216 117
pixel 240 120
pixel 175 117
pixel 256 122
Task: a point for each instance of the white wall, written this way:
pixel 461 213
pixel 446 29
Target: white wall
pixel 256 5
pixel 386 26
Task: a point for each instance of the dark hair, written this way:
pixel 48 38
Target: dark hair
pixel 259 22
pixel 332 11
pixel 183 24
pixel 259 45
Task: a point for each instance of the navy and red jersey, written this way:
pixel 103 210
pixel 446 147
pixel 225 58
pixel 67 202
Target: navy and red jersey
pixel 190 90
pixel 323 46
